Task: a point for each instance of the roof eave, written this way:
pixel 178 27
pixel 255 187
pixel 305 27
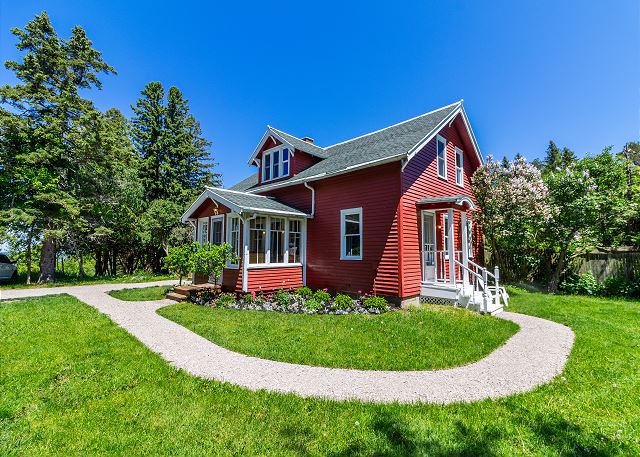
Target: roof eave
pixel 270 132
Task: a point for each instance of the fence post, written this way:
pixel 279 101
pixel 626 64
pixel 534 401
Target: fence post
pixel 496 273
pixel 485 288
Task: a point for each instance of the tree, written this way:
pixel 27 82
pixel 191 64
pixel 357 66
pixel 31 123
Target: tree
pixel 39 118
pixel 513 210
pixel 180 259
pixel 210 259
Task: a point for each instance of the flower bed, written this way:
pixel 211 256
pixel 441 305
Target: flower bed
pixel 302 300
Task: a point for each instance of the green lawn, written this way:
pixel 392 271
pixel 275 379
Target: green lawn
pixel 72 382
pixel 141 294
pixel 74 280
pixel 428 338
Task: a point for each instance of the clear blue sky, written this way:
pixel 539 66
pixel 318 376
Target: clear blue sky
pixel 529 71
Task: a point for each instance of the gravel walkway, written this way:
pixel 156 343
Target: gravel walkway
pixel 533 356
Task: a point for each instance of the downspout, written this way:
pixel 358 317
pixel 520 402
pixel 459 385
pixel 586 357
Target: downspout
pixel 313 198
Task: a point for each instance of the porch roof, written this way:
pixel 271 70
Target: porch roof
pixel 243 202
pixel 448 200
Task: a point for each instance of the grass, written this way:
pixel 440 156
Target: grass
pixel 72 382
pixel 74 280
pixel 428 338
pixel 141 294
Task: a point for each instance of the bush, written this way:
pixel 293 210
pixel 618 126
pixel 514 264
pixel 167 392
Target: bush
pixel 202 297
pixel 249 298
pixel 224 300
pixel 304 292
pixel 322 296
pixel 374 301
pixel 618 287
pixel 311 304
pixel 585 284
pixel 283 298
pixel 342 301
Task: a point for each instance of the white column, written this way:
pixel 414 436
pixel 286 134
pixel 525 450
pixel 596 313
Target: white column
pixel 245 253
pixel 303 251
pixel 452 252
pixel 465 247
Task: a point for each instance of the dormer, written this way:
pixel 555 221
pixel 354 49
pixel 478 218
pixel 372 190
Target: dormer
pixel 279 155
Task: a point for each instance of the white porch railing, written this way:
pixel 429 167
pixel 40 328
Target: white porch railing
pixel 471 278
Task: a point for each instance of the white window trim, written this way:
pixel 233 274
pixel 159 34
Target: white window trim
pixel 201 221
pixel 272 152
pixel 343 213
pixel 460 152
pixel 443 140
pixel 229 238
pixel 267 256
pixel 470 238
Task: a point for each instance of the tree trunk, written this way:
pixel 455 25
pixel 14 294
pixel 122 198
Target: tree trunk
pixel 98 268
pixel 48 259
pixel 81 272
pixel 28 256
pixel 554 282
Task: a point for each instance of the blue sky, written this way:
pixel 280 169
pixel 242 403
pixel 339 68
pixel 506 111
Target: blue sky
pixel 529 71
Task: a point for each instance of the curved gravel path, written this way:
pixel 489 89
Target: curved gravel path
pixel 533 356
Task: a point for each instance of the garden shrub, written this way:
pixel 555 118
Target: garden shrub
pixel 311 304
pixel 304 292
pixel 224 300
pixel 283 298
pixel 374 301
pixel 322 296
pixel 202 297
pixel 249 298
pixel 618 287
pixel 585 284
pixel 342 301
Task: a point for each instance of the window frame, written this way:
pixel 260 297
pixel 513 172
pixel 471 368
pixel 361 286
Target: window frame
pixel 445 237
pixel 203 221
pixel 212 219
pixel 343 244
pixel 229 238
pixel 267 243
pixel 470 238
pixel 275 157
pixel 441 139
pixel 460 169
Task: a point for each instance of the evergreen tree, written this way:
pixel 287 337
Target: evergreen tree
pixel 553 158
pixel 40 115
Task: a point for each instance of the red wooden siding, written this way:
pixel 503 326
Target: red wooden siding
pixel 270 279
pixel 377 192
pixel 297 196
pixel 301 161
pixel 420 179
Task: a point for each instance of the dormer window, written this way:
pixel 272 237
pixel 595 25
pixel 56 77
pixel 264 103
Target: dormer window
pixel 275 164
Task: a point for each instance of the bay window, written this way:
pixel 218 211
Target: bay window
pixel 351 234
pixel 295 241
pixel 275 164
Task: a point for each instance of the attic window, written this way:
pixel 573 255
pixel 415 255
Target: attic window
pixel 275 164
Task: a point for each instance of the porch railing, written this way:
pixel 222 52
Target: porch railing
pixel 472 277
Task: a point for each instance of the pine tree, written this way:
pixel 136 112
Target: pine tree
pixel 43 111
pixel 553 158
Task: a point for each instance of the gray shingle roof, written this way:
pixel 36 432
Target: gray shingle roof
pixel 302 145
pixel 252 202
pixel 387 143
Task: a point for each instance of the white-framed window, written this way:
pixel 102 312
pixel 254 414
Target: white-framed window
pixel 233 237
pixel 295 240
pixel 459 167
pixel 351 234
pixel 441 153
pixel 275 241
pixel 275 163
pixel 217 229
pixel 203 230
pixel 445 238
pixel 470 238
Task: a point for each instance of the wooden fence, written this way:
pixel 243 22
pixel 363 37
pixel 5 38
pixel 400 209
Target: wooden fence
pixel 605 263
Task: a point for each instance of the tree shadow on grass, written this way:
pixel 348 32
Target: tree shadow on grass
pixel 546 434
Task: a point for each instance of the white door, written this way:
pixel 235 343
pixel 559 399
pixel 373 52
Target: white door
pixel 428 247
pixel 217 237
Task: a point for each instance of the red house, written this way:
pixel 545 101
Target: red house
pixel 389 213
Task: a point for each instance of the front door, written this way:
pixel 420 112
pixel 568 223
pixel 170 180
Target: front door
pixel 217 237
pixel 428 246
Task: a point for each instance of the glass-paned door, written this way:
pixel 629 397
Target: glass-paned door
pixel 428 246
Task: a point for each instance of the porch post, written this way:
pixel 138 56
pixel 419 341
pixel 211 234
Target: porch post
pixel 465 247
pixel 245 253
pixel 452 251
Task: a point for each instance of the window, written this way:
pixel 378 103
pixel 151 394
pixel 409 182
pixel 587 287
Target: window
pixel 203 231
pixel 257 236
pixel 445 224
pixel 276 229
pixel 441 150
pixel 276 164
pixel 295 241
pixel 217 229
pixel 459 167
pixel 470 238
pixel 351 234
pixel 233 237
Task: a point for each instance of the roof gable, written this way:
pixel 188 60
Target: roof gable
pixel 293 143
